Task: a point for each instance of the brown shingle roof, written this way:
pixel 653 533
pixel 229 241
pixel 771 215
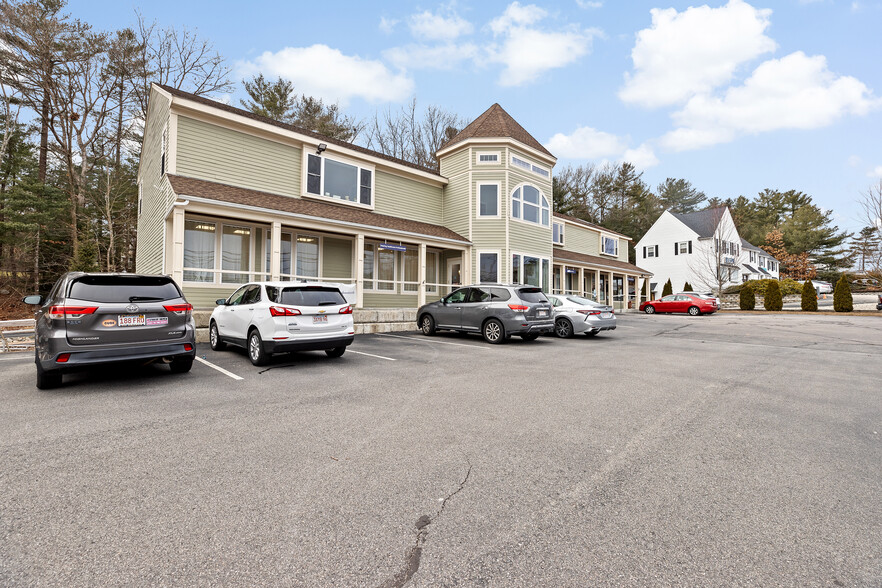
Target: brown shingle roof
pixel 563 255
pixel 590 225
pixel 184 186
pixel 294 128
pixel 496 122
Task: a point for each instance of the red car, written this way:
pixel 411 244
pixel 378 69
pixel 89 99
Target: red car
pixel 690 303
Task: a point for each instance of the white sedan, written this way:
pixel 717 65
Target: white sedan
pixel 574 314
pixel 277 317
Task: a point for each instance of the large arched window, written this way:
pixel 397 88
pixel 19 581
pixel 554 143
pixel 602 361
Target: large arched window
pixel 530 205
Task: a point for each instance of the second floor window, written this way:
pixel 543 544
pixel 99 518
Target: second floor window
pixel 609 245
pixel 530 205
pixel 488 200
pixel 557 233
pixel 336 179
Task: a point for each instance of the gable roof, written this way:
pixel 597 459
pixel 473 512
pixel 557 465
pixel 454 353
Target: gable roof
pixel 746 245
pixel 293 128
pixel 703 222
pixel 579 221
pixel 191 187
pixel 496 122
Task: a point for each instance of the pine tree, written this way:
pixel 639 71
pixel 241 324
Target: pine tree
pixel 687 287
pixel 747 298
pixel 668 288
pixel 809 296
pixel 842 299
pixel 773 299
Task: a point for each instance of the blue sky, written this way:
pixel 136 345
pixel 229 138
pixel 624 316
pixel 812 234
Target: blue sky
pixel 733 96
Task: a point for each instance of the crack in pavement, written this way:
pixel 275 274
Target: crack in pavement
pixel 412 556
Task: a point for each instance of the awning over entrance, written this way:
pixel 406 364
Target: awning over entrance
pixel 595 261
pixel 765 272
pixel 751 269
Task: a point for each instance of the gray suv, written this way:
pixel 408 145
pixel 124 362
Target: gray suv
pixel 92 319
pixel 496 311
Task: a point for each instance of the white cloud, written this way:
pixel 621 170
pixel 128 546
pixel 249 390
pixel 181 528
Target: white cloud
pixel 442 57
pixel 387 25
pixel 327 73
pixel 642 157
pixel 854 160
pixel 694 51
pixel 586 143
pixel 427 25
pixel 795 92
pixel 527 52
pixel 876 173
pixel 588 4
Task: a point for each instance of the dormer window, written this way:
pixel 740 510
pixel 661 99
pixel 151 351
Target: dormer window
pixel 530 205
pixel 339 180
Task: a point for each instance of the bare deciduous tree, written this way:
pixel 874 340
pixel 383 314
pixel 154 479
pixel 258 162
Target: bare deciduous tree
pixel 871 202
pixel 714 261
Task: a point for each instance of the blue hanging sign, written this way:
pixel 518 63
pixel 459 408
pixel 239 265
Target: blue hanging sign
pixel 393 247
pixel 572 271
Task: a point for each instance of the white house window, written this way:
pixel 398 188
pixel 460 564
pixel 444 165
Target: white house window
pixel 609 245
pixel 307 256
pixel 557 231
pixel 411 270
pixel 650 251
pixel 380 267
pixel 488 200
pixel 199 247
pixel 488 264
pixel 530 205
pixel 524 164
pixel 530 269
pixel 488 157
pixel 684 247
pixel 342 181
pixel 287 247
pixel 752 257
pixel 235 253
pixel 431 272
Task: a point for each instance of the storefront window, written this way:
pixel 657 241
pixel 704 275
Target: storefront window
pixel 307 256
pixel 199 243
pixel 368 266
pixel 386 270
pixel 235 253
pixel 431 272
pixel 412 269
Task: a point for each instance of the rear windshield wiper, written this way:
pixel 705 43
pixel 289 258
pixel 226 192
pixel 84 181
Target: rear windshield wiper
pixel 328 303
pixel 144 299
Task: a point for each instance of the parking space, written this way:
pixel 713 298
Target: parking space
pixel 721 450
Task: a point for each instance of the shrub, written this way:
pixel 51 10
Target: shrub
pixel 668 288
pixel 790 287
pixel 687 287
pixel 773 299
pixel 747 300
pixel 842 300
pixel 809 296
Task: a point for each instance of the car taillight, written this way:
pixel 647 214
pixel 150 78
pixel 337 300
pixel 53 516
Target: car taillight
pixel 188 347
pixel 282 311
pixel 588 312
pixel 179 308
pixel 519 307
pixel 346 310
pixel 63 358
pixel 59 312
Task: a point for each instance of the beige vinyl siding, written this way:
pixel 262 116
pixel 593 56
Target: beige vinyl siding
pixel 337 258
pixel 156 195
pixel 377 300
pixel 211 152
pixel 456 205
pixel 202 297
pixel 623 249
pixel 405 198
pixel 581 240
pixel 455 164
pixel 488 234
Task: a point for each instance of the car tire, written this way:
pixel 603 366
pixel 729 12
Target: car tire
pixel 427 325
pixel 214 338
pixel 563 328
pixel 336 351
pixel 493 332
pixel 256 352
pixel 181 365
pixel 530 336
pixel 649 310
pixel 694 311
pixel 47 380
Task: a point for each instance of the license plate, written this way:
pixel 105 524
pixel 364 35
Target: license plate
pixel 131 320
pixel 320 318
pixel 542 313
pixel 606 315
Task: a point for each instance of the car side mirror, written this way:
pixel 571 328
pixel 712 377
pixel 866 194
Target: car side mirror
pixel 221 301
pixel 33 299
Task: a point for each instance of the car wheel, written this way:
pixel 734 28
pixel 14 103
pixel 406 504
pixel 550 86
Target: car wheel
pixel 47 380
pixel 693 311
pixel 181 365
pixel 493 332
pixel 214 338
pixel 336 351
pixel 427 325
pixel 256 353
pixel 530 336
pixel 649 310
pixel 563 328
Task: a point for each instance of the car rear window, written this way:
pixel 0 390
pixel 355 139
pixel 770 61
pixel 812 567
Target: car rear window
pixel 124 289
pixel 583 301
pixel 532 295
pixel 311 296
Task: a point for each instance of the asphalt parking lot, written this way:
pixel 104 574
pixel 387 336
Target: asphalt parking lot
pixel 729 450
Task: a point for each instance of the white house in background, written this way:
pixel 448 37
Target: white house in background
pixel 757 264
pixel 695 248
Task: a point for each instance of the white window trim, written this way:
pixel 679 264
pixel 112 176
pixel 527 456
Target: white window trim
pixel 521 219
pixel 608 236
pixel 541 258
pixel 436 279
pixel 560 233
pixel 498 255
pixel 650 251
pixel 682 247
pixel 360 165
pixel 533 166
pixel 498 200
pixel 217 276
pixel 398 272
pixel 478 155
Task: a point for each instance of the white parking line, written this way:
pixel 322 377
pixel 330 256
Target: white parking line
pixel 430 341
pixel 220 369
pixel 372 355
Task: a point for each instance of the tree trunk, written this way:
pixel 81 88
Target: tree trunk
pixel 37 262
pixel 44 138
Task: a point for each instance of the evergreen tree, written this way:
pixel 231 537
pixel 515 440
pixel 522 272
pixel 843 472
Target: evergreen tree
pixel 747 297
pixel 773 299
pixel 809 296
pixel 668 288
pixel 842 299
pixel 866 249
pixel 687 287
pixel 680 196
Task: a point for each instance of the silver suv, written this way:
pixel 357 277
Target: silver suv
pixel 496 311
pixel 93 319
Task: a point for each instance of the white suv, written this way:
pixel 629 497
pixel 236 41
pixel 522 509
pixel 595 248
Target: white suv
pixel 276 317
